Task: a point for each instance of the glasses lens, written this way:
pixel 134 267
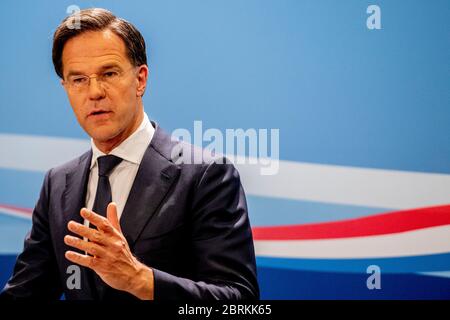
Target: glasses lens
pixel 78 81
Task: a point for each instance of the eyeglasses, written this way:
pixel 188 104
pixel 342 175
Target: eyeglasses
pixel 107 79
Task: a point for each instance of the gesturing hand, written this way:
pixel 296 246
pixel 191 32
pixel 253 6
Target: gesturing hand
pixel 110 256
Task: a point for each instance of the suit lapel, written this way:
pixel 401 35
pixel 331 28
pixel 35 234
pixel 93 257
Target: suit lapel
pixel 74 198
pixel 155 176
pixel 76 187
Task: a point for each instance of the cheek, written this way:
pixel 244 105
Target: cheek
pixel 127 96
pixel 77 107
pixel 122 100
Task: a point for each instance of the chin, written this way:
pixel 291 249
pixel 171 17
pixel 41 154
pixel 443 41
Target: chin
pixel 103 135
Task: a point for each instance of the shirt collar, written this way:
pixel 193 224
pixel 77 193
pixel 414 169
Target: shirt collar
pixel 132 149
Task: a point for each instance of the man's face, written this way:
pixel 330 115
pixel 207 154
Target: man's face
pixel 109 113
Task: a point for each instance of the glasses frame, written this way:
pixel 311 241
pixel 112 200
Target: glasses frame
pixel 100 78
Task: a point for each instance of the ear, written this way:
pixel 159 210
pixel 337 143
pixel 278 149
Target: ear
pixel 63 83
pixel 142 78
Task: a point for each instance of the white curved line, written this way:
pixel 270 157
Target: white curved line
pixel 15 213
pixel 433 240
pixel 295 180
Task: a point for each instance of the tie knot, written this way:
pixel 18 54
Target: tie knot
pixel 106 164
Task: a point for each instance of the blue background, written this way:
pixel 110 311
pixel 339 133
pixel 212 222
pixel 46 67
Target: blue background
pixel 340 93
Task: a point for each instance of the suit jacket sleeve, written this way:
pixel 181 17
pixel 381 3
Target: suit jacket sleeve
pixel 35 273
pixel 223 249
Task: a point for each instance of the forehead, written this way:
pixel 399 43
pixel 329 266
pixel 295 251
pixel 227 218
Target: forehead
pixel 91 50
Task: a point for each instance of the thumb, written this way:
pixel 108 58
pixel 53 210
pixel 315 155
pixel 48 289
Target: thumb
pixel 111 215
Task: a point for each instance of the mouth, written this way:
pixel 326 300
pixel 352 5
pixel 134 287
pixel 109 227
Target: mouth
pixel 98 113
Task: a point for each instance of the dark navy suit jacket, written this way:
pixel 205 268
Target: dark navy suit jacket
pixel 188 222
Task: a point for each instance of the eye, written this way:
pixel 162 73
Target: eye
pixel 110 74
pixel 78 80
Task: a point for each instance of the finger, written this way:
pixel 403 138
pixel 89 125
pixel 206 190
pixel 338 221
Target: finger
pixel 81 259
pixel 97 220
pixel 111 215
pixel 86 232
pixel 89 247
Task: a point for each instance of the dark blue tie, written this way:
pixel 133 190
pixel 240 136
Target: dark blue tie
pixel 103 196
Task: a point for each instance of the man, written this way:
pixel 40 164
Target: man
pixel 137 221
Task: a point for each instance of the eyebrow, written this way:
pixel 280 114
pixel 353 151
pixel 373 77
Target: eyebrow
pixel 102 68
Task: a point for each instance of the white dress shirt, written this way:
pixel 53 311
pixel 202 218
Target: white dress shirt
pixel 122 177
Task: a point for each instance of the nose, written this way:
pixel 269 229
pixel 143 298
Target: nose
pixel 96 91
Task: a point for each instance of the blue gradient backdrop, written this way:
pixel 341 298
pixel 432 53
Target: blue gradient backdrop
pixel 340 94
